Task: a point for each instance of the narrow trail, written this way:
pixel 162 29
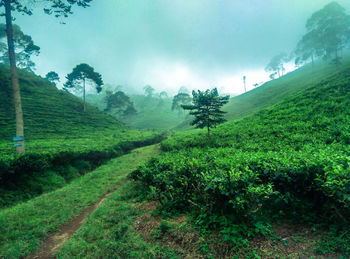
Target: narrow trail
pixel 57 240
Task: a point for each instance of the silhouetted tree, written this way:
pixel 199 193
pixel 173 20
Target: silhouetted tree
pixel 24 46
pixel 179 100
pixel 149 90
pixel 59 8
pixel 328 31
pixel 81 75
pixel 206 108
pixel 53 77
pixel 276 64
pixel 119 104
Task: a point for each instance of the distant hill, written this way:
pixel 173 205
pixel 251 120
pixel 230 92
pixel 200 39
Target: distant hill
pixel 152 113
pixel 47 110
pixel 276 90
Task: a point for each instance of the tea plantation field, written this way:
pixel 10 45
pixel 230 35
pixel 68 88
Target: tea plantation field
pixel 62 141
pixel 289 162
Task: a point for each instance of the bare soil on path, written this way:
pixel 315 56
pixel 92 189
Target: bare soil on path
pixel 57 240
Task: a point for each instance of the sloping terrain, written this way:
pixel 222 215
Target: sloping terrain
pixel 152 112
pixel 276 90
pixel 286 163
pixel 47 110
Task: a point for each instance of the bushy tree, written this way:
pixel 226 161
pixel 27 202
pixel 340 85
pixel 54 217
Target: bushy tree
pixel 149 91
pixel 80 76
pixel 24 46
pixel 53 77
pixel 59 8
pixel 206 108
pixel 327 33
pixel 179 100
pixel 119 104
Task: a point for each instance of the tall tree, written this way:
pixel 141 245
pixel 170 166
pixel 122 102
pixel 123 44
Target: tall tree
pixel 206 108
pixel 80 76
pixel 58 8
pixel 53 77
pixel 276 64
pixel 327 33
pixel 24 46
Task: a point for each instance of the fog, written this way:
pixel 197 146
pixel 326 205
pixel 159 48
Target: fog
pixel 168 44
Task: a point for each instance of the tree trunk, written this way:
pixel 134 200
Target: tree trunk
pixel 84 95
pixel 14 78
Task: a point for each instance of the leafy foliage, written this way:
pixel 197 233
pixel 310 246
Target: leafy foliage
pixel 179 100
pixel 289 161
pixel 82 73
pixel 58 8
pixel 53 77
pixel 119 104
pixel 24 45
pixel 327 34
pixel 206 108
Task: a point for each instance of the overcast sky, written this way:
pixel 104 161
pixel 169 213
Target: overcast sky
pixel 170 43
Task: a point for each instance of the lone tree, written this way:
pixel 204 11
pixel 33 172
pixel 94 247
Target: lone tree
pixel 53 77
pixel 24 46
pixel 80 76
pixel 59 8
pixel 206 108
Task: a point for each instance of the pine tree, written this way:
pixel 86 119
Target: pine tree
pixel 58 8
pixel 206 108
pixel 81 75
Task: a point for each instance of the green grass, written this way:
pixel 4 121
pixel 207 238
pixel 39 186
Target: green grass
pixel 23 227
pixel 109 231
pixel 58 135
pixel 47 110
pixel 290 161
pixel 276 90
pixel 152 113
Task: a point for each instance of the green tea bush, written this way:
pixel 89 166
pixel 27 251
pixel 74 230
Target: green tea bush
pixel 244 183
pixel 37 172
pixel 289 161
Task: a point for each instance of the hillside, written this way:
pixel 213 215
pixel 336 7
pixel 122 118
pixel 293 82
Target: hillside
pixel 47 110
pixel 286 163
pixel 276 90
pixel 62 142
pixel 152 113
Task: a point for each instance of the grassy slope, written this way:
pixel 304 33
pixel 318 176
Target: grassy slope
pixel 152 113
pixel 316 118
pixel 59 136
pixel 291 158
pixel 23 227
pixel 274 91
pixel 47 110
pixel 319 114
